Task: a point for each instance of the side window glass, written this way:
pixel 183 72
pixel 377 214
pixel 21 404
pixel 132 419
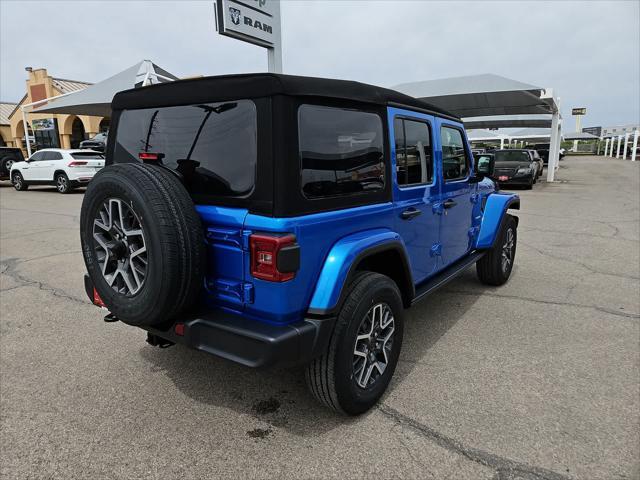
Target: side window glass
pixel 414 162
pixel 54 156
pixel 38 156
pixel 455 164
pixel 341 151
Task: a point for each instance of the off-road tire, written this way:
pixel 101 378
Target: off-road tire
pixel 63 185
pixel 5 164
pixel 490 267
pixel 330 377
pixel 18 182
pixel 172 233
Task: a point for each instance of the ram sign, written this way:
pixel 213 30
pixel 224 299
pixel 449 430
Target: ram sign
pixel 579 111
pixel 254 21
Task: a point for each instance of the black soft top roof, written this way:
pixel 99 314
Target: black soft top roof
pixel 256 85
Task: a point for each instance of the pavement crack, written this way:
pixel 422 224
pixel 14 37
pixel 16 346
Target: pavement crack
pixel 576 234
pixel 74 218
pixel 8 289
pixel 576 262
pixel 410 451
pixel 505 469
pixel 34 232
pixel 9 268
pixel 547 302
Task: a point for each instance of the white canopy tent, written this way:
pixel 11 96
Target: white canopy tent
pixel 95 100
pixel 532 135
pixel 493 96
pixel 579 136
pixel 482 135
pixel 509 121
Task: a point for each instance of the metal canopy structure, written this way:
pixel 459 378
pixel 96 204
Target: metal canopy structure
pixel 580 136
pixel 486 135
pixel 95 100
pixel 533 134
pixel 492 122
pixel 491 95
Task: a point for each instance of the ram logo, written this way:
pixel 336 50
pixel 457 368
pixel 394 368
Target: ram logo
pixel 235 15
pixel 257 24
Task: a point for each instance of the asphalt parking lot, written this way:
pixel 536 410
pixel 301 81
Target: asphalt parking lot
pixel 538 379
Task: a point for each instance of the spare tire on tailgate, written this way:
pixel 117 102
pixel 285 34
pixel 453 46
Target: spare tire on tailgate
pixel 142 243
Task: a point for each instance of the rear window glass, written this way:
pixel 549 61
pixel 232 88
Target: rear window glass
pixel 87 155
pixel 515 156
pixel 341 151
pixel 213 146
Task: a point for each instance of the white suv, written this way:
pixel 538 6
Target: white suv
pixel 66 169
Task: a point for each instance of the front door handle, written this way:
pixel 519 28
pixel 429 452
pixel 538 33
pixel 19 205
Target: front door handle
pixel 410 213
pixel 449 203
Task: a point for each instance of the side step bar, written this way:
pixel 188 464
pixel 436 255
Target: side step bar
pixel 445 276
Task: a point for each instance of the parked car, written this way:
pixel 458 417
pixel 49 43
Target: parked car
pixel 538 159
pixel 66 169
pixel 515 167
pixel 543 151
pixel 9 156
pixel 97 143
pixel 271 218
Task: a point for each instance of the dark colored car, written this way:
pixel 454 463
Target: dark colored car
pixel 543 151
pixel 9 156
pixel 515 167
pixel 271 218
pixel 98 143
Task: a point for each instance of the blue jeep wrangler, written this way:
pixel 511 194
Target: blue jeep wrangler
pixel 270 218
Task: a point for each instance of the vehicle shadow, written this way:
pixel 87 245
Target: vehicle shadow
pixel 49 189
pixel 278 396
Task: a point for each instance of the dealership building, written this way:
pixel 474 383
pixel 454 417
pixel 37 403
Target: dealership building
pixel 47 130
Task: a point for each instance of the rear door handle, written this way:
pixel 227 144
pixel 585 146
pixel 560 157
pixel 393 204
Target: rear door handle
pixel 449 203
pixel 410 213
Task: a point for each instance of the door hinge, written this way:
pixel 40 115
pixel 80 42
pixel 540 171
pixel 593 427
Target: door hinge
pixel 436 250
pixel 245 239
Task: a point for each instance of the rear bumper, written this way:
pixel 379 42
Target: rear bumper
pixel 81 177
pixel 245 341
pixel 249 342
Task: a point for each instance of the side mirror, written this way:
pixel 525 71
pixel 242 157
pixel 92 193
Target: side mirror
pixel 484 165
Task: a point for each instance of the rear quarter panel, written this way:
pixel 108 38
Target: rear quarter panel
pixel 316 234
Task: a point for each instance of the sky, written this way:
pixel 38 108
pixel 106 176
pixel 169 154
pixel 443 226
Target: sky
pixel 587 51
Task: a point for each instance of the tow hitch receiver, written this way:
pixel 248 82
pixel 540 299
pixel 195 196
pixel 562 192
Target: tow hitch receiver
pixel 110 317
pixel 157 341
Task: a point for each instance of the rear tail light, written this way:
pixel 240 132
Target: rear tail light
pixel 97 300
pixel 149 156
pixel 274 258
pixel 77 164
